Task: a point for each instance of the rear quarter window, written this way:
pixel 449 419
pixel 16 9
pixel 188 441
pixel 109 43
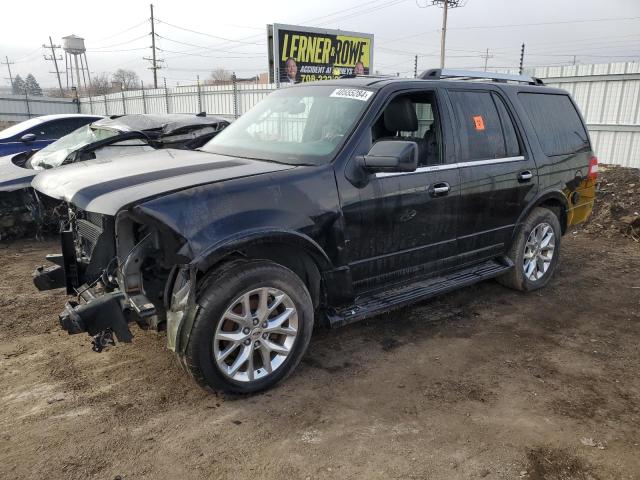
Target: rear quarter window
pixel 556 122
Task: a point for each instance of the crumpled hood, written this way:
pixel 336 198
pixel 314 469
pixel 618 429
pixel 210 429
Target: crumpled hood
pixel 105 186
pixel 13 177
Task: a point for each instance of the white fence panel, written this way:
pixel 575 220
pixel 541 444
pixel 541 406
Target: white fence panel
pixel 16 108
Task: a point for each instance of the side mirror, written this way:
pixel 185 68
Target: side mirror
pixel 28 137
pixel 391 156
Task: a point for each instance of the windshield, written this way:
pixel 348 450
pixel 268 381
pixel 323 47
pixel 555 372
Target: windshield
pixel 297 126
pixel 54 155
pixel 19 127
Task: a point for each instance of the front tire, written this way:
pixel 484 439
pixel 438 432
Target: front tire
pixel 252 329
pixel 535 252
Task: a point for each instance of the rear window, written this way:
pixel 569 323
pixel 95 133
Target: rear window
pixel 556 122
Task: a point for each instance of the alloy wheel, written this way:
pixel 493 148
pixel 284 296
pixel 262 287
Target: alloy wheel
pixel 538 251
pixel 255 334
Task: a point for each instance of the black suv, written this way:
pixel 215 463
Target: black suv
pixel 326 203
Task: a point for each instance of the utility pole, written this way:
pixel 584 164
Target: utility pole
pixel 521 59
pixel 415 67
pixel 153 50
pixel 8 64
pixel 154 61
pixel 486 57
pixel 446 4
pixel 55 59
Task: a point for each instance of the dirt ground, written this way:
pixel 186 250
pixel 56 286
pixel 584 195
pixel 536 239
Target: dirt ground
pixel 482 383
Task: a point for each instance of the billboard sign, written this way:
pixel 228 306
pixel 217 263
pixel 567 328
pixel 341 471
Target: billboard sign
pixel 305 54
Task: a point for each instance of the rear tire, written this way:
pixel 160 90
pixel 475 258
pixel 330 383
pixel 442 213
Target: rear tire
pixel 535 252
pixel 240 342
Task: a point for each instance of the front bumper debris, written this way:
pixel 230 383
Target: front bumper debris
pixel 101 317
pixel 49 277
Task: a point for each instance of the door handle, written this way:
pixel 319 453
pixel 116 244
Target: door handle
pixel 439 189
pixel 525 176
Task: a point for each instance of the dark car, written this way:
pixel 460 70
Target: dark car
pixel 38 132
pixel 117 136
pixel 326 203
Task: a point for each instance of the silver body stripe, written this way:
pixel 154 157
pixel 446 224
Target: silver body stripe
pixel 438 168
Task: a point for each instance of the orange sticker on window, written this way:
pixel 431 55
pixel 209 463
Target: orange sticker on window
pixel 479 122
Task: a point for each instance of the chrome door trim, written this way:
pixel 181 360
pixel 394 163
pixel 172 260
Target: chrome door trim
pixel 451 166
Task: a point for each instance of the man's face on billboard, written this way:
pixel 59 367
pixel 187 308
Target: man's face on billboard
pixel 359 69
pixel 292 68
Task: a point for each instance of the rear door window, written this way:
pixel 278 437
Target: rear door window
pixel 480 129
pixel 556 122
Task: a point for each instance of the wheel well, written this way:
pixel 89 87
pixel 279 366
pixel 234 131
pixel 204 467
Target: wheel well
pixel 293 257
pixel 558 209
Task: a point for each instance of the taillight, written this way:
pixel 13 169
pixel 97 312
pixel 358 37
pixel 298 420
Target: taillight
pixel 593 169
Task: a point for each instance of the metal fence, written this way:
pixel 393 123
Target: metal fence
pixel 225 100
pixel 16 108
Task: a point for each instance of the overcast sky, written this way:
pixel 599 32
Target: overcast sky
pixel 117 33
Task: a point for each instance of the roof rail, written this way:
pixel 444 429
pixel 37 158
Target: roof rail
pixel 362 75
pixel 438 74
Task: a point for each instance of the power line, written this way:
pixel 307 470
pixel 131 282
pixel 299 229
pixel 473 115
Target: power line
pixel 206 34
pixel 244 41
pixel 579 41
pixel 119 43
pixel 564 22
pixel 471 27
pixel 342 11
pixel 204 56
pixel 120 50
pixel 365 11
pixel 122 31
pixel 199 47
pixel 27 56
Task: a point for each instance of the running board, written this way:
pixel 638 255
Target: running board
pixel 381 302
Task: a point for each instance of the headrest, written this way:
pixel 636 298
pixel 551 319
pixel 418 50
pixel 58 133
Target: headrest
pixel 400 116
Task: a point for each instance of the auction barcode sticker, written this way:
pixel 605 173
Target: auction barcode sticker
pixel 353 93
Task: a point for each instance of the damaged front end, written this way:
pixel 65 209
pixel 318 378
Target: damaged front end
pixel 120 275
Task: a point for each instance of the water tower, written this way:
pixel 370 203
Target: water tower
pixel 74 50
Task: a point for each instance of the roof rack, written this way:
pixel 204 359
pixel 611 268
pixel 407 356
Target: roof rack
pixel 438 73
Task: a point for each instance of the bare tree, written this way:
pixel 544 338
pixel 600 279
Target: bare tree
pixel 220 75
pixel 101 84
pixel 128 79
